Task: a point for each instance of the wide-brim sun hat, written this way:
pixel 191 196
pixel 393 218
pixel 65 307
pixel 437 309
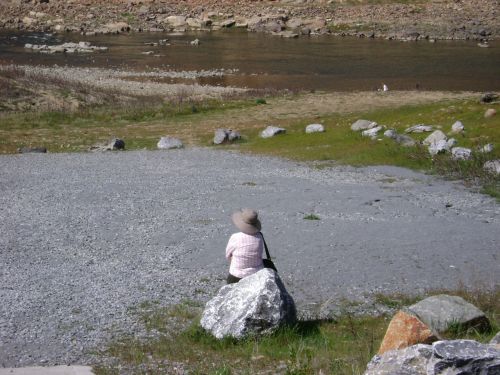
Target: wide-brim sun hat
pixel 247 220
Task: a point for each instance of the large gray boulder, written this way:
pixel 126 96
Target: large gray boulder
pixel 442 311
pixel 454 357
pixel 492 166
pixel 363 125
pixel 167 143
pixel 257 304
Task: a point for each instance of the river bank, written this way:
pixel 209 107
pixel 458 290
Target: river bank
pixel 411 20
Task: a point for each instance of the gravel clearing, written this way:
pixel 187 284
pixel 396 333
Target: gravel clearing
pixel 87 237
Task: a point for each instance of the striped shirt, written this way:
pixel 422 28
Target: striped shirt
pixel 244 251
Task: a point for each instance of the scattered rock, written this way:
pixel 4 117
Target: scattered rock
pixel 116 144
pixel 441 311
pixel 457 127
pixel 363 125
pixel 490 112
pixel 461 153
pixel 32 150
pixel 225 136
pixel 271 131
pixel 492 166
pixel 405 140
pixel 453 357
pixel 434 137
pixel 372 133
pixel 167 143
pixel 438 147
pixel 488 97
pixel 405 330
pixel 451 142
pixel 228 23
pixel 391 133
pixel 419 129
pixel 487 148
pixel 256 305
pixel 315 128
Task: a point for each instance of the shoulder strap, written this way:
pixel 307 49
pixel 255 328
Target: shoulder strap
pixel 265 247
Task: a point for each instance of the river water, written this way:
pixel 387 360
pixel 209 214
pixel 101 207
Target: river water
pixel 266 61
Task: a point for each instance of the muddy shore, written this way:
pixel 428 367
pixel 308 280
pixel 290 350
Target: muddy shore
pixel 414 20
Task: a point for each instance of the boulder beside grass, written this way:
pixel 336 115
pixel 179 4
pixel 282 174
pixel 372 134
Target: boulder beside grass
pixel 427 320
pixel 168 143
pixel 272 131
pixel 363 125
pixel 256 305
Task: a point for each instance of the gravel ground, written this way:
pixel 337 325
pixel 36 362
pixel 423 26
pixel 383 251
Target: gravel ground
pixel 86 237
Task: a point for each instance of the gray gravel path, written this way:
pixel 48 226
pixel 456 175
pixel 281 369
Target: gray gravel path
pixel 86 237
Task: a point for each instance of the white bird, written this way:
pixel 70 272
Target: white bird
pixel 385 88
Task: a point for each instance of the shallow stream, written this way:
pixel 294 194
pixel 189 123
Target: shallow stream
pixel 266 61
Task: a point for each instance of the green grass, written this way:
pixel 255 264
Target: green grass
pixel 342 346
pixel 344 146
pixel 312 217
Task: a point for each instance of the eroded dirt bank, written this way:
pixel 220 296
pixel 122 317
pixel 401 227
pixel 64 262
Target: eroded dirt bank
pixel 460 19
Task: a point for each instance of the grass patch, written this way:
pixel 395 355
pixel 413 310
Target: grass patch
pixel 311 217
pixel 342 346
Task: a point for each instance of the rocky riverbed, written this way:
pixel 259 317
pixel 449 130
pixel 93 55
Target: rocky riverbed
pixel 86 238
pixel 414 20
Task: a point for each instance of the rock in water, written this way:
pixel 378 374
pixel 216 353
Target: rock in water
pixel 315 128
pixel 271 131
pixel 363 125
pixel 257 304
pixel 441 311
pixel 167 143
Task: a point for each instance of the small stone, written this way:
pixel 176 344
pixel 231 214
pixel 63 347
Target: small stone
pixel 167 143
pixel 32 150
pixel 461 153
pixel 457 127
pixel 372 133
pixel 271 131
pixel 487 148
pixel 451 142
pixel 488 97
pixel 492 166
pixel 315 128
pixel 405 140
pixel 490 112
pixel 390 133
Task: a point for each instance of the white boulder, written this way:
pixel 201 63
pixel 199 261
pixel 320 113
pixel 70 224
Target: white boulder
pixel 315 128
pixel 167 143
pixel 363 125
pixel 271 131
pixel 461 153
pixel 457 127
pixel 435 137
